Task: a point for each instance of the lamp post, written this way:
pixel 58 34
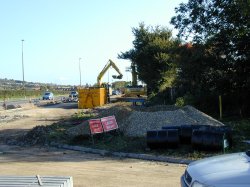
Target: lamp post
pixel 23 69
pixel 80 72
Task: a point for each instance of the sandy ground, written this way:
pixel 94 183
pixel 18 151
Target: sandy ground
pixel 86 169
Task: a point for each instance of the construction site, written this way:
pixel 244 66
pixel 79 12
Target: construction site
pixel 58 138
pixel 95 128
pixel 138 142
pixel 128 93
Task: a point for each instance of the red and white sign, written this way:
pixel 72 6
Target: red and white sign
pixel 109 123
pixel 95 126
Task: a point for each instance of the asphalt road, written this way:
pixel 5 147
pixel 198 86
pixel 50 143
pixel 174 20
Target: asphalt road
pixel 14 103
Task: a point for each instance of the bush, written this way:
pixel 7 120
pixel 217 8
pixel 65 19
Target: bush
pixel 162 97
pixel 185 100
pixel 180 102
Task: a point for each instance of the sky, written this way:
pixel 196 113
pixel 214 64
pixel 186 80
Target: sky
pixel 57 33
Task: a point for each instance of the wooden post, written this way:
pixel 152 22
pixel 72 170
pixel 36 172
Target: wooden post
pixel 220 106
pixel 92 138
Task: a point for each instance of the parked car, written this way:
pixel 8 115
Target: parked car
pixel 48 96
pixel 229 170
pixel 116 92
pixel 73 96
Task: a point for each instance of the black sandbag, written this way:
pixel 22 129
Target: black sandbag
pixel 152 139
pixel 208 140
pixel 173 138
pixel 186 134
pixel 226 130
pixel 163 138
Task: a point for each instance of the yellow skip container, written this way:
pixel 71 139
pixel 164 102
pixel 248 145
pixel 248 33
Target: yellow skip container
pixel 91 97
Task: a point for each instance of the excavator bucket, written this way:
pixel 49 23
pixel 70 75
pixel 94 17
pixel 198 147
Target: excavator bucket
pixel 117 76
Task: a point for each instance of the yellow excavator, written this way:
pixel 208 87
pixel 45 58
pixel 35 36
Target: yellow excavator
pixel 101 74
pixel 104 70
pixel 135 89
pixel 98 95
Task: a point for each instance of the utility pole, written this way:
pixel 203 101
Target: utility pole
pixel 23 70
pixel 80 72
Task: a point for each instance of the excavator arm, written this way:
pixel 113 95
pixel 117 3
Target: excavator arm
pixel 104 70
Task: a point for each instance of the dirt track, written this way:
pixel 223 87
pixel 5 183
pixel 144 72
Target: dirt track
pixel 86 169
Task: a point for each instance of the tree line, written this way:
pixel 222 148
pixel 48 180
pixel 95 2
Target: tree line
pixel 208 58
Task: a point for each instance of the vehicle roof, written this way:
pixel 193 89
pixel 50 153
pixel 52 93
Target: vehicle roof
pixel 222 169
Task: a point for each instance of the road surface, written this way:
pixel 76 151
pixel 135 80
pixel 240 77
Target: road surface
pixel 86 169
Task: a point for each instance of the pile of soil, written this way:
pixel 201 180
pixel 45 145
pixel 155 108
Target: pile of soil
pixel 38 135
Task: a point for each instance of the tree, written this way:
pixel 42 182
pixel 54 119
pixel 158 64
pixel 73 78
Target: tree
pixel 152 57
pixel 223 27
pixel 117 85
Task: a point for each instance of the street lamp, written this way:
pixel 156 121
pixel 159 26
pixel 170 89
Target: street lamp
pixel 80 72
pixel 23 70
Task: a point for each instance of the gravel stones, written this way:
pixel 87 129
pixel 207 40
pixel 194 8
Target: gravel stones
pixel 135 121
pixel 200 117
pixel 138 123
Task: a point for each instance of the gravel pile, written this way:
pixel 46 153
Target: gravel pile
pixel 200 117
pixel 133 121
pixel 138 123
pixel 120 110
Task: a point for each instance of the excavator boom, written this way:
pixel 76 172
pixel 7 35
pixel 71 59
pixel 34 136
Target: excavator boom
pixel 104 70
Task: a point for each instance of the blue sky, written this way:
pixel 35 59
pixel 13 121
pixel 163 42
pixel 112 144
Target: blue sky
pixel 57 33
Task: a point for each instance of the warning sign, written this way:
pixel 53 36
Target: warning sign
pixel 95 126
pixel 109 123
